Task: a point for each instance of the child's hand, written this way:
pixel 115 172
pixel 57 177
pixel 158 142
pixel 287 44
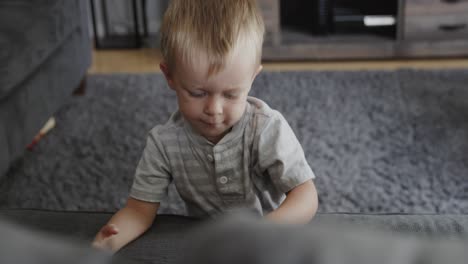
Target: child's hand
pixel 103 239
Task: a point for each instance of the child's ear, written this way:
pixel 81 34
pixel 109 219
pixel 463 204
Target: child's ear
pixel 259 69
pixel 165 71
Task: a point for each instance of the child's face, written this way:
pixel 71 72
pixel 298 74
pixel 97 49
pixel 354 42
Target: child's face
pixel 212 105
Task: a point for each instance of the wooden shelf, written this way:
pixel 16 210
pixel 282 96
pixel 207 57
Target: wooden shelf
pixel 294 37
pixel 406 42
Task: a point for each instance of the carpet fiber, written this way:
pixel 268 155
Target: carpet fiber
pixel 378 141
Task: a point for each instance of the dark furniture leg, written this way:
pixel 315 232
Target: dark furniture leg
pixel 81 89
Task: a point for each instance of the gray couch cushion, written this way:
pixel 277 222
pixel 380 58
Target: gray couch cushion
pixel 29 32
pixel 422 225
pixel 38 97
pixel 164 242
pixel 26 246
pixel 240 239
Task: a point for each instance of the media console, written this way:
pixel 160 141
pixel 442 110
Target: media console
pixel 297 29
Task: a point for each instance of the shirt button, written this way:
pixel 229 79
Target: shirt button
pixel 210 158
pixel 223 179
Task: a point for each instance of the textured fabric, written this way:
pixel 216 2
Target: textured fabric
pixel 164 242
pixel 58 68
pixel 29 32
pixel 240 239
pixel 378 141
pixel 253 165
pixel 421 225
pixel 84 225
pixel 161 244
pixel 27 109
pixel 22 245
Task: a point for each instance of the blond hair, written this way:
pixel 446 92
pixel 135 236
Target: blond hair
pixel 213 27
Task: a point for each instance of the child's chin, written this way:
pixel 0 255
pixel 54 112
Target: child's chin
pixel 214 134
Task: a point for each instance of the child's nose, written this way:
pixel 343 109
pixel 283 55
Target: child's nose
pixel 213 106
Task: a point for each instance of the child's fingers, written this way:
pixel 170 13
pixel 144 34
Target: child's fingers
pixel 97 244
pixel 109 230
pixel 102 244
pixel 103 238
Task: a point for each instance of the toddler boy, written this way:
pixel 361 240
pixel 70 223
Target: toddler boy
pixel 222 149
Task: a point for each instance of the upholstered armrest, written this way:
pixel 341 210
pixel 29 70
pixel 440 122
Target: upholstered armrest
pixel 169 235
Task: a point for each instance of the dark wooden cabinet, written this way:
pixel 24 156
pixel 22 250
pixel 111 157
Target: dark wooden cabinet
pixel 435 20
pixel 423 29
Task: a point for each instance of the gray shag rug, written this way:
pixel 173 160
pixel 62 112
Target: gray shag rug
pixel 378 141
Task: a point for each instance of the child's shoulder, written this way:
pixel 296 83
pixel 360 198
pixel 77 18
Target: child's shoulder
pixel 262 113
pixel 268 125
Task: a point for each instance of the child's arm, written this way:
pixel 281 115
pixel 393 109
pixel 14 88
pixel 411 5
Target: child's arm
pixel 299 206
pixel 126 225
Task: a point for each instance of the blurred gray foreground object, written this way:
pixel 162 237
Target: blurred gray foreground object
pixel 329 238
pixel 26 246
pixel 247 240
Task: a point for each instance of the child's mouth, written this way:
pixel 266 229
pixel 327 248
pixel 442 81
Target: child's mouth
pixel 212 124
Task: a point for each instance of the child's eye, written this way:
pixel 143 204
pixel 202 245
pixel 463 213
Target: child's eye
pixel 231 96
pixel 197 94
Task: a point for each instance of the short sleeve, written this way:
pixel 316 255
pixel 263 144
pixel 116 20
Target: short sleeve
pixel 152 176
pixel 281 156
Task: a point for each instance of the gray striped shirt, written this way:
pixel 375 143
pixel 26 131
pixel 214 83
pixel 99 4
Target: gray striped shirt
pixel 253 166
